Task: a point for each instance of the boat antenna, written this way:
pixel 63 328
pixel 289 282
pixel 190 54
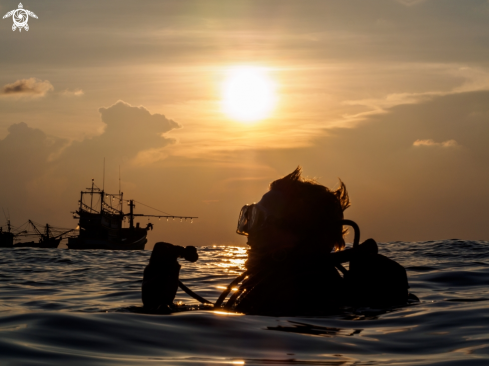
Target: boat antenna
pixel 103 180
pixel 119 179
pixel 7 218
pixel 91 197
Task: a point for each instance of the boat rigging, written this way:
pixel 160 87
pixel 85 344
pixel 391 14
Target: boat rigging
pixel 101 222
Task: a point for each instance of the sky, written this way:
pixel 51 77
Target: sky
pixel 390 96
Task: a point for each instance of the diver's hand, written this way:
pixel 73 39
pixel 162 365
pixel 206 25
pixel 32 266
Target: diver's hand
pixel 164 252
pixel 190 254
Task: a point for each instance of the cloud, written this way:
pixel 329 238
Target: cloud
pixel 30 143
pixel 73 93
pixel 149 156
pixel 470 79
pixel 31 87
pixel 410 2
pixel 40 173
pixel 398 191
pixel 130 135
pixel 123 116
pixel 131 130
pixel 430 142
pixel 25 156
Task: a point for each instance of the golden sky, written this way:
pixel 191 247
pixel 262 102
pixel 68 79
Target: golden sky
pixel 203 103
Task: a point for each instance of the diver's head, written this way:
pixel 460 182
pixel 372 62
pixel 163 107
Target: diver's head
pixel 296 212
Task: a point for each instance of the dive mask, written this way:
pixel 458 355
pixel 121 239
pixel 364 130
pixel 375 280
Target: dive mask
pixel 254 217
pixel 251 217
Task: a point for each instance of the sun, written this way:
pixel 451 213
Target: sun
pixel 248 94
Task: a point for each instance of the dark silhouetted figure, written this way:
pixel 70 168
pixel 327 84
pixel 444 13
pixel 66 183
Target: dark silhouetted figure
pixel 160 280
pixel 296 238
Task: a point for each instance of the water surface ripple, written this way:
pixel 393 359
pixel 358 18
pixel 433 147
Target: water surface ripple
pixel 62 307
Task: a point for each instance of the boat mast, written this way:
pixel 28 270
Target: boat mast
pixel 121 201
pixel 103 179
pixel 102 195
pixel 131 214
pixel 103 192
pixel 91 196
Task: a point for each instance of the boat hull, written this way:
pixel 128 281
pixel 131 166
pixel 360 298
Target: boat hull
pixel 80 243
pixel 52 243
pixel 6 240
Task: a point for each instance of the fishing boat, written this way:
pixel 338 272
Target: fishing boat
pixel 101 219
pixel 7 237
pixel 50 238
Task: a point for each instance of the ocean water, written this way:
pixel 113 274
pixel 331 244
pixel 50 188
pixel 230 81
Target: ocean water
pixel 62 307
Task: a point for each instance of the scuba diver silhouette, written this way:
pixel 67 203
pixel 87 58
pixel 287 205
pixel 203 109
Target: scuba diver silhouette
pixel 294 266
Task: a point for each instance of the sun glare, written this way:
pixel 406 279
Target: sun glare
pixel 248 94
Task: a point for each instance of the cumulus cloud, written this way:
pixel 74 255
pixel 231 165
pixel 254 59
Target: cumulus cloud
pixel 430 142
pixel 32 143
pixel 130 134
pixel 134 129
pixel 31 87
pixel 26 155
pixel 123 116
pixel 40 171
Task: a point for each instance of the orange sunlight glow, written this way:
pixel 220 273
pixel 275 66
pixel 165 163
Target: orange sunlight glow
pixel 248 94
pixel 226 313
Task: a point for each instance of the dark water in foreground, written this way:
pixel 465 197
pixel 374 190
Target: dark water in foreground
pixel 61 307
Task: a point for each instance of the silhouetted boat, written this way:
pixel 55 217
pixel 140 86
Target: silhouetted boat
pixel 7 237
pixel 48 239
pixel 101 227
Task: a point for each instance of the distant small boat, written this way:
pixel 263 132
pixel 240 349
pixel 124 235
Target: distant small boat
pixel 48 239
pixel 101 227
pixel 49 243
pixel 7 237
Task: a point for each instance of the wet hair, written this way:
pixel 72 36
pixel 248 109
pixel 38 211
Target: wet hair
pixel 313 211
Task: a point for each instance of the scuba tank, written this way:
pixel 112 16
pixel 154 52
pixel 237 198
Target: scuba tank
pixel 373 280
